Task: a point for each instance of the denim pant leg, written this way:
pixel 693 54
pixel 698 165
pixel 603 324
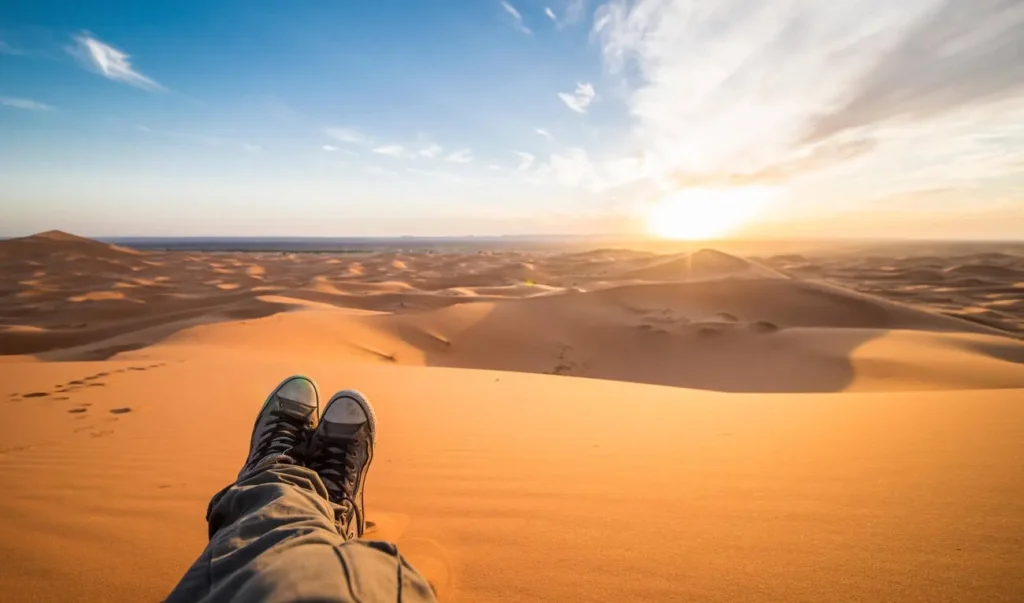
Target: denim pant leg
pixel 273 539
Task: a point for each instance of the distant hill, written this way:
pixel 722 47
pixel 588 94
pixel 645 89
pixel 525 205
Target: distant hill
pixel 57 243
pixel 699 265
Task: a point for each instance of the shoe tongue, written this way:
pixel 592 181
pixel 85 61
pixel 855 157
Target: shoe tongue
pixel 341 430
pixel 293 408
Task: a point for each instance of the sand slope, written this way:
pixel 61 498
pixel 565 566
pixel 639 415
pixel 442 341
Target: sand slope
pixel 513 487
pixel 128 383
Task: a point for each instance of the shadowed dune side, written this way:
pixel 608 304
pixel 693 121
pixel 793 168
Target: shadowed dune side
pixel 85 342
pixel 731 335
pixel 984 288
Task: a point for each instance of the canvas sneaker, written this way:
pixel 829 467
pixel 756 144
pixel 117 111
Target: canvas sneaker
pixel 284 424
pixel 340 451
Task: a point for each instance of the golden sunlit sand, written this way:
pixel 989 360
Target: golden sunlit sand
pixel 679 426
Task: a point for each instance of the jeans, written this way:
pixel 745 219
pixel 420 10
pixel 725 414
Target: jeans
pixel 273 538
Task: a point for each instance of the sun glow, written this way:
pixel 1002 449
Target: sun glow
pixel 705 213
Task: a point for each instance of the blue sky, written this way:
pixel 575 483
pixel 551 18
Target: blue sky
pixel 487 117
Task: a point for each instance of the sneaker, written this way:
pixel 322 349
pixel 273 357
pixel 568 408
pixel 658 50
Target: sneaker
pixel 285 422
pixel 340 451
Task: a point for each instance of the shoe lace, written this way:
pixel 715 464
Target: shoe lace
pixel 336 465
pixel 283 434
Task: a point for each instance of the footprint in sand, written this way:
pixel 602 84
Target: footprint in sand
pixel 36 395
pixel 432 560
pixel 76 411
pixel 120 411
pixel 429 557
pixel 710 331
pixel 764 326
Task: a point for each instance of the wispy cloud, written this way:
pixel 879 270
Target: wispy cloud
pixel 525 161
pixel 202 139
pixel 110 62
pixel 329 148
pixel 580 99
pixel 430 151
pixel 958 54
pixel 850 82
pixel 347 135
pixel 24 103
pixel 573 13
pixel 460 156
pixel 544 133
pixel 7 49
pixel 517 19
pixel 573 167
pixel 391 150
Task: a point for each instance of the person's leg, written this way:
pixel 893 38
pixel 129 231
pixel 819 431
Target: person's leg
pixel 273 533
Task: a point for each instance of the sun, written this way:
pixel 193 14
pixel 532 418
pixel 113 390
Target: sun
pixel 707 213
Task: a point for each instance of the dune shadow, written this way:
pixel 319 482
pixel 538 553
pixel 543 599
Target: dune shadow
pixel 728 336
pixel 104 342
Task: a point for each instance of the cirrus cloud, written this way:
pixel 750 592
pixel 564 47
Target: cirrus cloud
pixel 460 156
pixel 24 103
pixel 517 18
pixel 347 135
pixel 580 98
pixel 391 150
pixel 110 62
pixel 786 89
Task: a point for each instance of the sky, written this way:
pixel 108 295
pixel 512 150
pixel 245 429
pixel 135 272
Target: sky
pixel 777 118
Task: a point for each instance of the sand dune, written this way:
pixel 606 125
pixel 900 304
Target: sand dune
pixel 703 264
pixel 696 319
pixel 991 281
pixel 128 381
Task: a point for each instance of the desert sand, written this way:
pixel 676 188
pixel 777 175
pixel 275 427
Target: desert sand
pixel 597 425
